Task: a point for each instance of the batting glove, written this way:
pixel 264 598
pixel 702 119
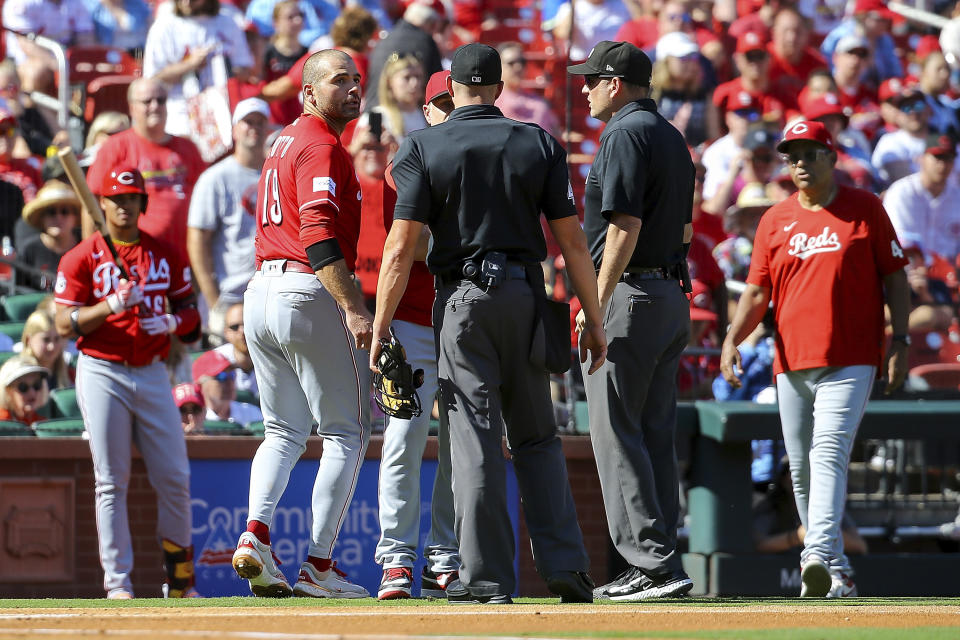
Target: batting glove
pixel 158 325
pixel 128 294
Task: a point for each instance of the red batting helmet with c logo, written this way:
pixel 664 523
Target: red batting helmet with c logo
pixel 123 181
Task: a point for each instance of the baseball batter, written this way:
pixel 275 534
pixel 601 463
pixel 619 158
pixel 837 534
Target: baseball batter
pixel 123 328
pixel 305 322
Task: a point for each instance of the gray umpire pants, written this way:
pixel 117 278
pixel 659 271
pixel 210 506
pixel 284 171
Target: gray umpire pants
pixel 632 402
pixel 484 372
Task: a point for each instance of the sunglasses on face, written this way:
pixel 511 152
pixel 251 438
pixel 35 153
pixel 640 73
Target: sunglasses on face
pixel 748 114
pixel 224 376
pixel 755 56
pixel 189 410
pixel 60 211
pixel 809 156
pixel 913 107
pixel 23 387
pixel 860 53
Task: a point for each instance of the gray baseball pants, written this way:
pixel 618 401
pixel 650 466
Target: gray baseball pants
pixel 403 445
pixel 122 405
pixel 820 410
pixel 485 372
pixel 308 369
pixel 632 403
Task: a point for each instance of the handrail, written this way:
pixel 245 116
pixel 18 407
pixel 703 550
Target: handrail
pixel 62 103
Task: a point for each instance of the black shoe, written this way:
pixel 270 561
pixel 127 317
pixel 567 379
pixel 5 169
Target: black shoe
pixel 465 597
pixel 602 593
pixel 643 586
pixel 571 586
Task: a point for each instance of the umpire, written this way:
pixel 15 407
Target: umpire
pixel 638 203
pixel 480 181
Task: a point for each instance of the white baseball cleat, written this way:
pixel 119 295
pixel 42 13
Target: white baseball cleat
pixel 331 583
pixel 816 579
pixel 253 561
pixel 842 586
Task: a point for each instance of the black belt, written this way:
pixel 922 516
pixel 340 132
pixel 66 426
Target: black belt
pixel 647 273
pixel 512 271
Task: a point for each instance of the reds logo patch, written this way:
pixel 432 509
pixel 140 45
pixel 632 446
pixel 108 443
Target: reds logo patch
pixel 799 129
pixel 61 284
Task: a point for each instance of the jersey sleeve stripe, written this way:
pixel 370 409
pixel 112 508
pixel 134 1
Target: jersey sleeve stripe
pixel 313 202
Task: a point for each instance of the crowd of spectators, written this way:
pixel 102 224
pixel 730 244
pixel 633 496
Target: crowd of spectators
pixel 730 75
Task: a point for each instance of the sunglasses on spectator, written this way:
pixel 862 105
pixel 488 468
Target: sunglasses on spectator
pixel 23 387
pixel 860 53
pixel 224 376
pixel 913 107
pixel 755 56
pixel 235 327
pixel 63 211
pixel 750 114
pixel 809 156
pixel 678 17
pixel 160 100
pixel 191 408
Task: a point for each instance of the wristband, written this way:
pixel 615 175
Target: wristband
pixel 75 321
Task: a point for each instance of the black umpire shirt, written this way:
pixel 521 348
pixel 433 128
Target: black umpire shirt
pixel 642 169
pixel 480 182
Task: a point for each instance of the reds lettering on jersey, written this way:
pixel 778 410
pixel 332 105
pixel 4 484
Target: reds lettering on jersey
pixel 88 274
pixel 308 193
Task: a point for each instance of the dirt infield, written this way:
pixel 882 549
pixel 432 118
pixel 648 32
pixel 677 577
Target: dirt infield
pixel 522 620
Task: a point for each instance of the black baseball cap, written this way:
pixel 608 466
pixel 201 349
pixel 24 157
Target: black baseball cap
pixel 476 64
pixel 615 59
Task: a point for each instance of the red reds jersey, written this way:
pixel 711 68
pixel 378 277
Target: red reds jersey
pixel 825 270
pixel 88 274
pixel 169 170
pixel 732 95
pixel 416 305
pixel 23 174
pixel 308 193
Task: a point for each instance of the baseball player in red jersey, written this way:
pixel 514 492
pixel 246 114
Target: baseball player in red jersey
pixel 305 322
pixel 123 391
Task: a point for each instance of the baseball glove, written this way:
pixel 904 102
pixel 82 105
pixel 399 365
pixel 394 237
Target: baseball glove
pixel 395 387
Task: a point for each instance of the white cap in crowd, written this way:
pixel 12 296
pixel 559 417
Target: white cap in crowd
pixel 248 106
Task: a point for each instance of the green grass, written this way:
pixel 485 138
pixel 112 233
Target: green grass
pixel 250 601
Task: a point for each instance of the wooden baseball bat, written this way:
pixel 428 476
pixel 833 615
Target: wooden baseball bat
pixel 75 174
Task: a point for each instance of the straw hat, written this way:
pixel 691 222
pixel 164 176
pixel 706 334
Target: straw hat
pixel 53 193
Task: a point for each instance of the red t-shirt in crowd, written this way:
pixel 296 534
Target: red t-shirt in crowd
pixel 170 170
pixel 88 274
pixel 21 172
pixel 28 419
pixel 644 33
pixel 308 193
pixel 790 78
pixel 709 227
pixel 825 271
pixel 727 96
pixel 703 266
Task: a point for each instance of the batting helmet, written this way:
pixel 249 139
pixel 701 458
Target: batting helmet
pixel 123 181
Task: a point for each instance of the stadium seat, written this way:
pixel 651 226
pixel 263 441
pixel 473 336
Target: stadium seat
pixel 19 307
pixel 59 428
pixel 224 428
pixel 87 63
pixel 256 428
pixel 247 397
pixel 938 375
pixel 65 403
pixel 107 93
pixel 11 429
pixel 12 329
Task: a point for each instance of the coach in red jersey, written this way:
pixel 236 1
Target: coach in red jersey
pixel 169 165
pixel 305 322
pixel 123 329
pixel 827 257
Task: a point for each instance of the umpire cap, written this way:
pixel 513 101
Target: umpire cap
pixel 616 60
pixel 476 64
